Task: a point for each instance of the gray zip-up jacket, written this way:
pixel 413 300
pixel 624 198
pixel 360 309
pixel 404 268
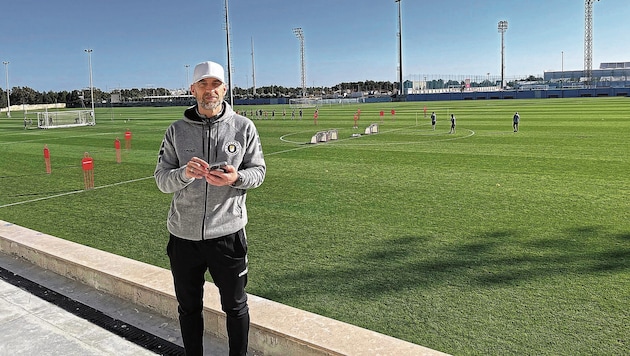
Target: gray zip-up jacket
pixel 199 210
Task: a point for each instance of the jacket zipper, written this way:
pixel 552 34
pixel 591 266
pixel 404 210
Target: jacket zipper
pixel 206 145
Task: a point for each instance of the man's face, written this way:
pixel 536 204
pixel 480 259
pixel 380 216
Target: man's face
pixel 209 93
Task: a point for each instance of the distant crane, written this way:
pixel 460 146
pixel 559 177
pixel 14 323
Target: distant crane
pixel 588 40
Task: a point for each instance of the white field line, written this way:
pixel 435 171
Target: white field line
pixel 72 192
pixel 446 137
pixel 282 138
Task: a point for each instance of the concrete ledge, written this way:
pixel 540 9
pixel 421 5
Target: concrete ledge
pixel 276 329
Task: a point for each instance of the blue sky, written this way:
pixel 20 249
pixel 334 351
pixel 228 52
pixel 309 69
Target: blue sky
pixel 140 44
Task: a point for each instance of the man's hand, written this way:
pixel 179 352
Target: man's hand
pixel 196 168
pixel 219 178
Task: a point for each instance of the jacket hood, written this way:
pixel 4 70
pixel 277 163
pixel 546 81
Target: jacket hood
pixel 192 114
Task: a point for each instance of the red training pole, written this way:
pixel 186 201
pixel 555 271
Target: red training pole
pixel 47 159
pixel 117 147
pixel 128 139
pixel 87 163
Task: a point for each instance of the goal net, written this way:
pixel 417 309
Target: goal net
pixel 302 103
pixel 342 101
pixel 70 118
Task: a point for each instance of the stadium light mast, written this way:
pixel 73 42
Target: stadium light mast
pixel 588 40
pixel 6 70
pixel 253 70
pixel 229 59
pixel 562 74
pixel 89 52
pixel 400 60
pixel 300 36
pixel 503 26
pixel 187 86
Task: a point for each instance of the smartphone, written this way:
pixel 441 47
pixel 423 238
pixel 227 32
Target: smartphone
pixel 217 166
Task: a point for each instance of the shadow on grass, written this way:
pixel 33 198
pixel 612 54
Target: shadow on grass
pixel 489 259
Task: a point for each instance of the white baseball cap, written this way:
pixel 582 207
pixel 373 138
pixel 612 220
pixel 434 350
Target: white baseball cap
pixel 208 70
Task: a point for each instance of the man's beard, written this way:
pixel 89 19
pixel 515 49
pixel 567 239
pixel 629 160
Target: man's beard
pixel 208 105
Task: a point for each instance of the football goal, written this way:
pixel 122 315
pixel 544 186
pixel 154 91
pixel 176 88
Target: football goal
pixel 303 103
pixel 69 118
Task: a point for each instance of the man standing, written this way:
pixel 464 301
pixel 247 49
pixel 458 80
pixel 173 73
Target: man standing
pixel 433 120
pixel 207 216
pixel 515 121
pixel 452 124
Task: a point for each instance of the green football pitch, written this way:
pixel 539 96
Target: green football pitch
pixel 484 241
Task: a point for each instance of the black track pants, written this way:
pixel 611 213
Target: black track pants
pixel 226 260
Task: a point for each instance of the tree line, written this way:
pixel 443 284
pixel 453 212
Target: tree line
pixel 80 98
pixel 74 98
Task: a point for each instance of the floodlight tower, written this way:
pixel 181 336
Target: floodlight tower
pixel 187 85
pixel 503 26
pixel 400 61
pixel 89 52
pixel 253 70
pixel 300 36
pixel 588 39
pixel 6 69
pixel 229 60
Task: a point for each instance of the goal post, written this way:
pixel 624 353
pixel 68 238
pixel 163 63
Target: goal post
pixel 66 118
pixel 303 103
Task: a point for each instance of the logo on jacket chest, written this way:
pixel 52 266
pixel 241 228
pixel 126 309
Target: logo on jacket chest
pixel 232 148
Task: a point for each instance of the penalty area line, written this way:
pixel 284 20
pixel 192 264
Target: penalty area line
pixel 72 192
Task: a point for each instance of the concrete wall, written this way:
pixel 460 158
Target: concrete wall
pixel 276 329
pixel 33 107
